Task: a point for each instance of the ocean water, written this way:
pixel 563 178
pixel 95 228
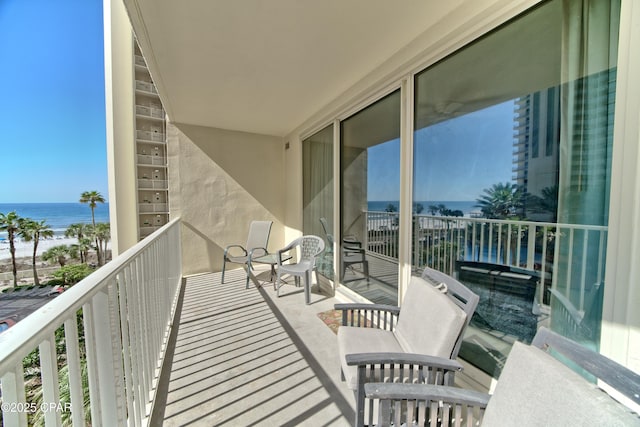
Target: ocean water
pixel 58 215
pixel 465 206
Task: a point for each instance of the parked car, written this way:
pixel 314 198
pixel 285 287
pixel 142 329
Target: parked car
pixel 7 323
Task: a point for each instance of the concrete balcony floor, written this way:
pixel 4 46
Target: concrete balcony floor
pixel 243 357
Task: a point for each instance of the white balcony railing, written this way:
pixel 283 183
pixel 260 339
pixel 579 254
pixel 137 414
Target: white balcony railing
pixel 146 135
pixel 145 159
pixel 153 112
pixel 146 87
pixel 149 207
pixel 153 184
pixel 439 241
pixel 110 331
pixel 140 61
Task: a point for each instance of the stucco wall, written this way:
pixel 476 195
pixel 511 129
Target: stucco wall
pixel 220 181
pixel 120 127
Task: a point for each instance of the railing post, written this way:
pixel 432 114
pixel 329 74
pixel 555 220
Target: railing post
pixel 531 247
pixel 13 397
pixel 75 370
pixel 104 405
pixel 50 387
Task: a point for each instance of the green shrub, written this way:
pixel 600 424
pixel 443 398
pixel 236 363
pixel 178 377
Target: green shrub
pixel 72 274
pixel 54 282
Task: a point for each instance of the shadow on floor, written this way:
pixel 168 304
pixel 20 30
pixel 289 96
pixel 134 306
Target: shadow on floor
pixel 235 358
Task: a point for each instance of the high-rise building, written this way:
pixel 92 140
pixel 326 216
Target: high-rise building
pixel 151 152
pixel 536 147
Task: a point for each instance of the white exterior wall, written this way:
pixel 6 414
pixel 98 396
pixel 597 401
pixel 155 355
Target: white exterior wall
pixel 120 122
pixel 220 181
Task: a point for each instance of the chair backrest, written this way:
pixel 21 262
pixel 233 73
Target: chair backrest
pixel 432 321
pixel 258 234
pixel 310 247
pixel 461 295
pixel 616 376
pixel 562 396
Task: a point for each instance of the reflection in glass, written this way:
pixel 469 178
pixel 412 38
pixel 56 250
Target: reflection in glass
pixel 317 193
pixel 370 181
pixel 512 154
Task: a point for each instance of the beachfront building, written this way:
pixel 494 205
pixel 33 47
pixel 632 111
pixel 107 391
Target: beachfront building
pixel 297 113
pixel 138 126
pixel 151 153
pixel 267 125
pixel 536 147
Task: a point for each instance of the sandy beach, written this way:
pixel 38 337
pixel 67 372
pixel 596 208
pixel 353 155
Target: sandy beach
pixel 25 249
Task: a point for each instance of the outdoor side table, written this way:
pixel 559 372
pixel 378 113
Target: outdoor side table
pixel 272 260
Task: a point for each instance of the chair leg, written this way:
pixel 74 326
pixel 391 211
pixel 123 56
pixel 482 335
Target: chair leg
pixel 359 392
pixel 277 283
pixel 307 287
pixel 365 266
pixel 248 268
pixel 224 264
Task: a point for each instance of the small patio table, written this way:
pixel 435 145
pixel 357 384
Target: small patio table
pixel 272 260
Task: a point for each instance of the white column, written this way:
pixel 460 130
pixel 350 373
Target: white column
pixel 406 186
pixel 120 126
pixel 620 338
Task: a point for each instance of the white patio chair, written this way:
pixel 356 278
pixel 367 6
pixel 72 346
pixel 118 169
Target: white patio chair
pixel 256 246
pixel 309 248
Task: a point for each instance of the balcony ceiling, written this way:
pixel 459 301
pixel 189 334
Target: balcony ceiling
pixel 266 66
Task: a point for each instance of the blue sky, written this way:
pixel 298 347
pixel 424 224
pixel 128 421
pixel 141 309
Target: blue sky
pixel 454 160
pixel 52 114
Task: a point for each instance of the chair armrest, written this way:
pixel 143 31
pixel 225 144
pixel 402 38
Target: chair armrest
pixel 441 363
pixel 424 404
pixel 253 250
pixel 369 315
pixel 434 393
pixel 353 250
pixel 351 240
pixel 284 250
pixel 226 250
pixel 401 368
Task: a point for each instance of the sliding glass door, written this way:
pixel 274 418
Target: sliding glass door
pixel 370 189
pixel 512 157
pixel 317 182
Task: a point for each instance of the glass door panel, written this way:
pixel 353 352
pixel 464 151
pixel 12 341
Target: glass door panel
pixel 317 182
pixel 370 194
pixel 512 153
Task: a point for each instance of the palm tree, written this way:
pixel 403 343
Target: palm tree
pixel 10 224
pixel 547 202
pixel 32 230
pixel 82 248
pixel 80 231
pixel 501 201
pixel 58 254
pixel 92 198
pixel 504 201
pixel 102 234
